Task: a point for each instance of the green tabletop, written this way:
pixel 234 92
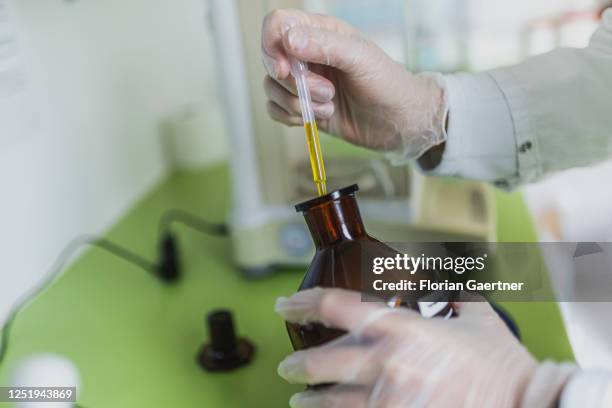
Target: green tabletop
pixel 135 339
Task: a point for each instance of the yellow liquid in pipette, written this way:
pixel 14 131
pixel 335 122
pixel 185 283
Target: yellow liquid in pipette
pixel 316 157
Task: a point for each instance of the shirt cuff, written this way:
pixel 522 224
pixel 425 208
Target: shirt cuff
pixel 481 142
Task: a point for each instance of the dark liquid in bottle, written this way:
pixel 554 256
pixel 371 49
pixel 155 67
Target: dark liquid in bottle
pixel 342 245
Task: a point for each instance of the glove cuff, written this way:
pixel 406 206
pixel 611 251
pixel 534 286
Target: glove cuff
pixel 546 383
pixel 431 127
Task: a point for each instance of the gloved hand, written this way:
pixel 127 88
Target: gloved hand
pixel 396 358
pixel 359 93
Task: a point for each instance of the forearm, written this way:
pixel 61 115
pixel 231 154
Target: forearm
pixel 520 123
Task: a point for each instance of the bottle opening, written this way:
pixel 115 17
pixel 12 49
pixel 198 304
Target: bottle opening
pixel 334 195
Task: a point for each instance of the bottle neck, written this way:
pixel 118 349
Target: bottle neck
pixel 333 221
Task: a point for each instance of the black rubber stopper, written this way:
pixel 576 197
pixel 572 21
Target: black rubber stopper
pixel 169 267
pixel 225 351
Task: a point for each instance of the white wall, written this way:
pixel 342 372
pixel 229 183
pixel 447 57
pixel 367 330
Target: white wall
pixel 104 72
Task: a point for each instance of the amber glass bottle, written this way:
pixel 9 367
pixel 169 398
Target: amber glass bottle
pixel 341 244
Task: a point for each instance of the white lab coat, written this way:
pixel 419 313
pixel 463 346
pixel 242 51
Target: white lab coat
pixel 517 124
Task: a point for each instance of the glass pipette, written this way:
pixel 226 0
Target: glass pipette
pixel 299 69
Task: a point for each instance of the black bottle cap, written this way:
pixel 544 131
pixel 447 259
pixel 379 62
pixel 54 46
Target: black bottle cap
pixel 334 195
pixel 225 351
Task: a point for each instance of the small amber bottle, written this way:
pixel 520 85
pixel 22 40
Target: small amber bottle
pixel 341 244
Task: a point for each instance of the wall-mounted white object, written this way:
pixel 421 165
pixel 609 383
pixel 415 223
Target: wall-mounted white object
pixel 195 136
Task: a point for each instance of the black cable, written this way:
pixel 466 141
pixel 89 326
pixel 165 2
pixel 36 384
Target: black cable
pixel 58 267
pixel 181 216
pixel 126 254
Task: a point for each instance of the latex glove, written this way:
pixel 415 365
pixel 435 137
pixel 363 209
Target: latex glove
pixel 395 358
pixel 359 93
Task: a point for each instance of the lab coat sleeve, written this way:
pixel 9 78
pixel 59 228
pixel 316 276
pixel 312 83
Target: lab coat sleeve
pixel 587 389
pixel 480 142
pixel 519 123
